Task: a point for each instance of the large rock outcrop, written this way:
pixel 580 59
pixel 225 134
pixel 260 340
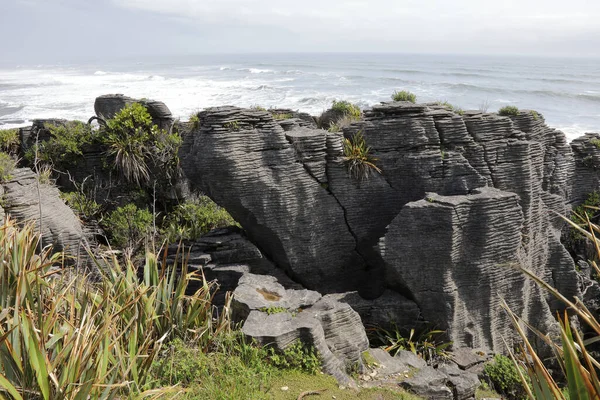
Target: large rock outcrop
pixel 460 201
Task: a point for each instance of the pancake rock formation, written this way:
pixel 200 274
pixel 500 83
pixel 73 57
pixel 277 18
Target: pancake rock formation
pixel 460 202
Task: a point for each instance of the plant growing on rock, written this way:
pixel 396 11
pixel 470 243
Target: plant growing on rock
pixel 65 146
pixel 508 111
pixel 428 344
pixel 358 158
pixel 192 219
pixel 404 95
pixel 9 140
pixel 345 108
pixel 86 208
pixel 195 120
pixel 136 145
pixel 7 166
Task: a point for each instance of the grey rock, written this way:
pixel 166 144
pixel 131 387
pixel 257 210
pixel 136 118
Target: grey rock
pixel 386 364
pixel 410 359
pixel 332 328
pixel 494 181
pixel 60 227
pixel 464 384
pixel 429 383
pixel 466 358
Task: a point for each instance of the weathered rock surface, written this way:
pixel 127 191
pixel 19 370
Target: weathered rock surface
pixel 446 382
pixel 60 227
pixel 494 181
pixel 279 317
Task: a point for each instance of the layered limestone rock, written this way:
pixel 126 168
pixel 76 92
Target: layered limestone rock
pixel 25 200
pixel 493 183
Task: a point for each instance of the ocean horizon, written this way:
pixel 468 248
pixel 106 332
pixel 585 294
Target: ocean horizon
pixel 565 90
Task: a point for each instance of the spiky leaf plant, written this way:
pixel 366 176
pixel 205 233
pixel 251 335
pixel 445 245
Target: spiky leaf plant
pixel 65 336
pixel 579 367
pixel 358 158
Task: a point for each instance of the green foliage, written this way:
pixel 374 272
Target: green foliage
pixel 341 123
pixel 345 108
pixel 128 226
pixel 296 356
pixel 358 158
pixel 258 108
pixel 65 146
pixel 451 107
pixel 137 146
pixel 505 378
pixel 404 96
pixel 588 210
pixel 192 219
pixel 282 116
pixel 571 352
pixel 9 140
pixel 86 208
pixel 429 345
pixel 7 166
pixel 70 337
pixel 595 142
pixel 195 120
pixel 535 115
pixel 232 126
pixel 508 111
pixel 273 310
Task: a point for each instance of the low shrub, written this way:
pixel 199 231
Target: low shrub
pixel 346 108
pixel 7 166
pixel 192 219
pixel 297 356
pixel 341 123
pixel 128 227
pixel 65 146
pixel 505 378
pixel 9 140
pixel 282 116
pixel 195 120
pixel 358 158
pixel 404 96
pixel 508 111
pixel 86 208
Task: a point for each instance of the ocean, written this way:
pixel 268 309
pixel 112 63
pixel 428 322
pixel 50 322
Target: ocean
pixel 565 91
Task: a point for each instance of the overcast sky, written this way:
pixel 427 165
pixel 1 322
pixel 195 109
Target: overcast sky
pixel 71 30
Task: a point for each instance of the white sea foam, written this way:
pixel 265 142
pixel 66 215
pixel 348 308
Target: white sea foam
pixel 307 85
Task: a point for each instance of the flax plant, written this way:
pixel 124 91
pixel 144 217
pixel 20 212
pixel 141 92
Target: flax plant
pixel 64 335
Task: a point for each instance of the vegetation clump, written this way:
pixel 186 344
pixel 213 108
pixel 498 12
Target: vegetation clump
pixel 136 145
pixel 194 218
pixel 508 111
pixel 345 108
pixel 65 146
pixel 195 120
pixel 595 142
pixel 429 345
pixel 505 377
pixel 85 207
pixel 282 116
pixel 358 158
pixel 404 95
pixel 70 337
pixel 7 166
pixel 129 227
pixel 9 140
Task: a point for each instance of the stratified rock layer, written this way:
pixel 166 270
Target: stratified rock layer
pixel 461 200
pixel 24 199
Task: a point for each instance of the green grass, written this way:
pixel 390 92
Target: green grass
pixel 7 166
pixel 508 111
pixel 595 142
pixel 404 95
pixel 282 116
